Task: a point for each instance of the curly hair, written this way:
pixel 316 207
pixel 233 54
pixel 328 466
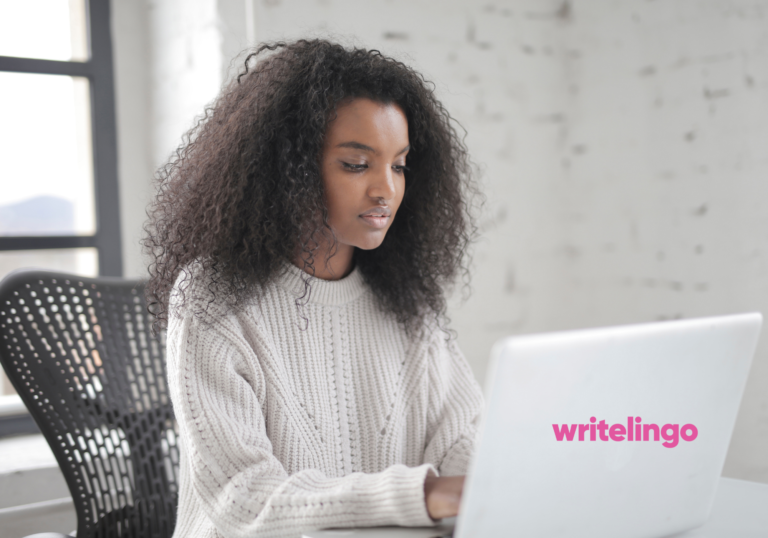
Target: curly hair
pixel 233 199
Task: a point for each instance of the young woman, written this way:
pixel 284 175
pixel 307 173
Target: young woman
pixel 301 242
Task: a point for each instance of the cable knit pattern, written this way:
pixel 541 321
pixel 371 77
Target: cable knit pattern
pixel 290 424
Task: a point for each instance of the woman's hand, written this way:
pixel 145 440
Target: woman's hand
pixel 442 495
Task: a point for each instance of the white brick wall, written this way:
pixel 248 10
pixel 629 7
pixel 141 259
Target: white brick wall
pixel 664 185
pixel 622 146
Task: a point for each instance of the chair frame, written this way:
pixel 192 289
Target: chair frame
pixel 80 353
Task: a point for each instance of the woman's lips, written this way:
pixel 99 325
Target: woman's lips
pixel 375 221
pixel 377 217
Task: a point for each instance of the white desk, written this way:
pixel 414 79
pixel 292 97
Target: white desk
pixel 740 511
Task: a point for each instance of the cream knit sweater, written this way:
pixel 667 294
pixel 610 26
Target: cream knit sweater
pixel 289 424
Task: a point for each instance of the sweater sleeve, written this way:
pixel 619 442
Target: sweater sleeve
pixel 216 385
pixel 455 406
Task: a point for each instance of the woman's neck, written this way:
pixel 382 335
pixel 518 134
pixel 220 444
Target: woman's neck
pixel 335 268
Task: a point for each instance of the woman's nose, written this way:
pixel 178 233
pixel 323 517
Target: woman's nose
pixel 383 184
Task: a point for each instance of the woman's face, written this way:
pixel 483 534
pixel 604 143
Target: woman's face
pixel 363 172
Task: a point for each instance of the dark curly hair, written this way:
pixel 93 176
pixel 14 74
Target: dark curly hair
pixel 234 198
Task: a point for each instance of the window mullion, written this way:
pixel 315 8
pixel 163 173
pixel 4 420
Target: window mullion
pixel 45 67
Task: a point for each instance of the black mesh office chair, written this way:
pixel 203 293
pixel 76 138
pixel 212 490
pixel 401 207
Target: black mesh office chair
pixel 80 353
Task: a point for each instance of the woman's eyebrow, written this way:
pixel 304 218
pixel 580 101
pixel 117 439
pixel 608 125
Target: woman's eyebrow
pixel 363 147
pixel 356 145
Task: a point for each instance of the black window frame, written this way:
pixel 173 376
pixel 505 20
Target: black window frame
pixel 99 72
pixel 98 69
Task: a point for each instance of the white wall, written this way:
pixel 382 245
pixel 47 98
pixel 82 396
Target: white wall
pixel 664 197
pixel 131 52
pixel 618 143
pixel 168 66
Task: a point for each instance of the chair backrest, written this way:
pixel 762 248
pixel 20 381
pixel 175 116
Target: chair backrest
pixel 80 353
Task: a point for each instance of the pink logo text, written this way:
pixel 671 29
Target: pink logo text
pixel 632 431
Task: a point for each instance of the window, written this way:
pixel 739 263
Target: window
pixel 58 152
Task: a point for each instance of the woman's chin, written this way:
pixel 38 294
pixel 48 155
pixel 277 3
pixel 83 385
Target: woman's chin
pixel 370 243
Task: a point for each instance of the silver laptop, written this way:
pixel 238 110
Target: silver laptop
pixel 619 431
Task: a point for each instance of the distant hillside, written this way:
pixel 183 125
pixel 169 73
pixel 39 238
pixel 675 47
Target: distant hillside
pixel 41 215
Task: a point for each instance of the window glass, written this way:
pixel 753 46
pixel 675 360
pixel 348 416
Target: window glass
pixel 46 162
pixel 45 29
pixel 80 261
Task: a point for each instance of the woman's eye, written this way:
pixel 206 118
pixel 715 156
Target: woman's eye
pixel 354 167
pixel 399 168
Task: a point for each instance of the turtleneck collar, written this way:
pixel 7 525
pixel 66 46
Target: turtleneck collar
pixel 323 292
